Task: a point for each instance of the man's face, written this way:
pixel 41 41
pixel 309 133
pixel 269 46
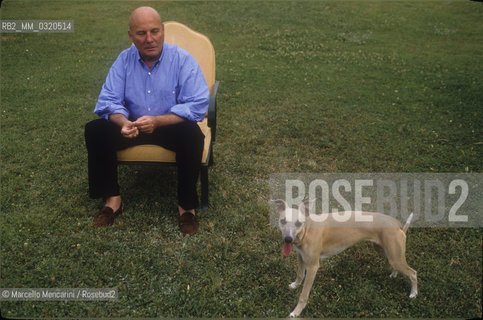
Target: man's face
pixel 147 34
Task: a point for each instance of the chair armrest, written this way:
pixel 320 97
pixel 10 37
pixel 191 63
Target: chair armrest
pixel 212 110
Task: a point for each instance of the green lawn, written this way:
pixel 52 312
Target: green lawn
pixel 305 86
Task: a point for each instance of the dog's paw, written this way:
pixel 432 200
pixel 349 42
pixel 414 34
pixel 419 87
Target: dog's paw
pixel 292 315
pixel 393 274
pixel 413 294
pixel 293 286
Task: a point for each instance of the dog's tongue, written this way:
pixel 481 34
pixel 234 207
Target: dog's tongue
pixel 287 249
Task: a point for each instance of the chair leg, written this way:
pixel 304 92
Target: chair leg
pixel 210 162
pixel 204 188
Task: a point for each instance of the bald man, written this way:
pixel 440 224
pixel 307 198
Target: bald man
pixel 154 93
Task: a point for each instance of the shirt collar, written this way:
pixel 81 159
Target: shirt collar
pixel 154 64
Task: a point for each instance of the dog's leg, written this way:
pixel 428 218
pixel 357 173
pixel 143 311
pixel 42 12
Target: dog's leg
pixel 300 273
pixel 380 249
pixel 403 267
pixel 413 276
pixel 396 255
pixel 309 281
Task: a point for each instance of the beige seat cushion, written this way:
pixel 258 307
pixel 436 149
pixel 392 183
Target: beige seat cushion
pixel 153 153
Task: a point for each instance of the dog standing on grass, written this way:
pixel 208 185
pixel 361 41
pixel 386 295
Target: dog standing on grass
pixel 315 240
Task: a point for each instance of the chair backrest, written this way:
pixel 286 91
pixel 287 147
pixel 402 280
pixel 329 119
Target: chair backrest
pixel 197 44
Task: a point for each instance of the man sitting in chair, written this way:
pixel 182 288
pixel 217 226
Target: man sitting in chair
pixel 155 93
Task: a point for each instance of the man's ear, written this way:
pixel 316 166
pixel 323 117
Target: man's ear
pixel 281 205
pixel 130 35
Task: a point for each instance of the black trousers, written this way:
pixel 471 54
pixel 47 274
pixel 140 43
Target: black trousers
pixel 104 139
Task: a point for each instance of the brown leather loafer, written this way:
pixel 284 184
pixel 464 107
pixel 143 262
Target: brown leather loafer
pixel 106 216
pixel 188 223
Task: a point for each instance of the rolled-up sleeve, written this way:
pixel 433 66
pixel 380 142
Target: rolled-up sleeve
pixel 194 94
pixel 111 98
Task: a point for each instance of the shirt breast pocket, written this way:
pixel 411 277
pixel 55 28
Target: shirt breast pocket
pixel 169 96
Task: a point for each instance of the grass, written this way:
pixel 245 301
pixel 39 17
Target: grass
pixel 306 86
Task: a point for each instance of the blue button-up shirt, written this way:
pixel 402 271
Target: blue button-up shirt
pixel 174 84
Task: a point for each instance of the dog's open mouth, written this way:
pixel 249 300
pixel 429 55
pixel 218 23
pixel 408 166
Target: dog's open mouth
pixel 287 248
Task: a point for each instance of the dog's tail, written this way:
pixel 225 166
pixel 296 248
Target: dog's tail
pixel 408 222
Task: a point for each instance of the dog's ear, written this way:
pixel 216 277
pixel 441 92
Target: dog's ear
pixel 281 205
pixel 307 207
